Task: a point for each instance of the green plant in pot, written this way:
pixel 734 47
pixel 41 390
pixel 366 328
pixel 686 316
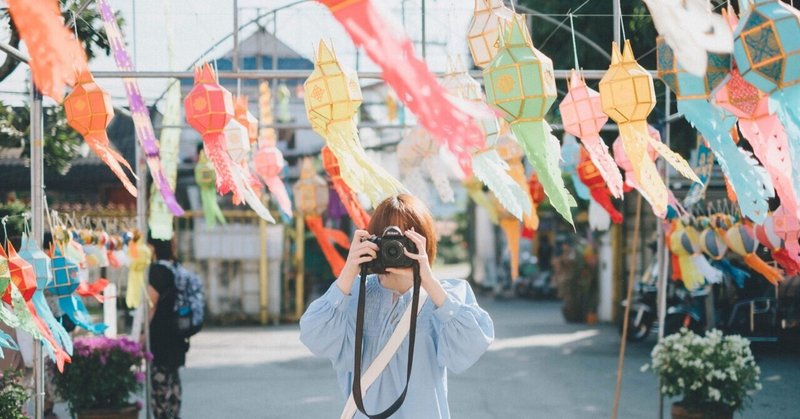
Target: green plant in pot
pixel 104 375
pixel 713 374
pixel 13 395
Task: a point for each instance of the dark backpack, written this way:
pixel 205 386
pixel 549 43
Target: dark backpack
pixel 189 299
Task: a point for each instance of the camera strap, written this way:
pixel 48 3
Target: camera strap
pixel 356 391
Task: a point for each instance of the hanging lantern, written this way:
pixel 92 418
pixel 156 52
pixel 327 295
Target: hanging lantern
pixel 89 111
pixel 237 142
pixel 22 274
pixel 484 30
pixel 520 83
pixel 509 150
pixel 740 239
pixel 787 226
pixel 418 151
pixel 242 115
pixel 583 117
pixel 712 244
pixel 206 179
pixel 65 282
pixel 266 135
pixel 269 164
pixel 346 195
pixel 140 258
pixel 590 176
pixel 332 100
pixel 769 238
pixel 695 269
pixel 311 195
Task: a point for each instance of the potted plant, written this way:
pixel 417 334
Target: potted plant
pixel 714 374
pixel 102 377
pixel 13 395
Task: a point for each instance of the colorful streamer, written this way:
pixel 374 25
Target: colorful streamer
pixel 346 195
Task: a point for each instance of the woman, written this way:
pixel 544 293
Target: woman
pixel 452 330
pixel 167 347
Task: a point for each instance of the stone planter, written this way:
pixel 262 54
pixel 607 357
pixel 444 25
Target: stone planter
pixel 129 412
pixel 706 411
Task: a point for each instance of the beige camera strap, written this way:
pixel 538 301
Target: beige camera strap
pixel 385 355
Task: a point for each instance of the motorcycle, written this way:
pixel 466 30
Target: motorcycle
pixel 533 282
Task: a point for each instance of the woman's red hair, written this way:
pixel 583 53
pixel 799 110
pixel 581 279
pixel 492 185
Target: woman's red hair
pixel 406 212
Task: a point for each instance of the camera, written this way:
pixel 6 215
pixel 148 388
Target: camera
pixel 390 250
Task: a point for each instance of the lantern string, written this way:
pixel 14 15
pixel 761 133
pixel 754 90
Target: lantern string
pixel 5 232
pixel 574 45
pixel 622 27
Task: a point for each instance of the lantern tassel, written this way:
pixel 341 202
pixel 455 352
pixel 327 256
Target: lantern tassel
pixel 450 121
pixel 326 237
pixel 739 276
pixel 517 172
pixel 771 145
pixel 782 257
pixel 441 182
pixel 711 274
pixel 278 189
pixel 602 197
pixel 7 342
pixel 214 147
pixel 512 230
pixel 43 309
pixel 350 201
pixel 598 151
pixel 31 323
pixel 544 152
pixel 481 198
pixel 95 289
pixel 599 218
pixel 211 210
pixel 768 272
pixel 750 182
pixel 784 104
pixel 100 146
pixel 240 176
pixel 490 169
pixel 55 351
pixel 73 307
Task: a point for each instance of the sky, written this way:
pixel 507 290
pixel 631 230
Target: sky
pixel 199 24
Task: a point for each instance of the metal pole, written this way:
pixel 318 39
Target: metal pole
pixel 299 285
pixel 236 44
pixel 617 22
pixel 37 219
pixel 663 256
pixel 141 225
pixel 263 273
pixel 424 47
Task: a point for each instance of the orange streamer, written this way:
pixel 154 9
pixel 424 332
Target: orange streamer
pixel 326 237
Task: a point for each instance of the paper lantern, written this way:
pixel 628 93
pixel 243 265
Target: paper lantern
pixel 206 179
pixel 487 165
pixel 22 274
pixel 512 229
pixel 591 177
pixel 89 111
pixel 38 260
pixel 741 239
pixel 583 117
pixel 787 226
pixel 484 30
pixel 695 269
pixel 769 238
pixel 266 135
pixel 65 282
pixel 520 83
pixel 418 152
pixel 712 244
pixel 332 99
pixel 237 142
pixel 242 115
pixel 628 97
pixel 454 126
pixel 749 180
pixel 346 195
pixel 209 110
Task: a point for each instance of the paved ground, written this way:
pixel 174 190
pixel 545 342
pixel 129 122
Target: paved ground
pixel 539 367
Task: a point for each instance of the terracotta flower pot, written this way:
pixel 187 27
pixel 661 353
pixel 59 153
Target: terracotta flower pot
pixel 706 411
pixel 129 412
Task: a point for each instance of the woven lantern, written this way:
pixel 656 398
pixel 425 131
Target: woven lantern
pixel 243 115
pixel 520 82
pixel 65 273
pixel 484 30
pixel 311 191
pixel 712 244
pixel 695 269
pixel 418 157
pixel 237 142
pixel 22 274
pixel 38 259
pixel 89 111
pixel 583 117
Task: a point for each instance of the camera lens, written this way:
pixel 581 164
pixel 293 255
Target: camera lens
pixel 394 250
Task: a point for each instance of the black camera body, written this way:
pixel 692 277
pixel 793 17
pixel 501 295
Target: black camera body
pixel 390 250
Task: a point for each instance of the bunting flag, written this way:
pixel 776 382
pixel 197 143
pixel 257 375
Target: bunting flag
pixel 692 30
pixel 583 117
pixel 484 30
pixel 628 97
pixel 741 239
pixel 55 54
pixel 332 99
pixel 311 197
pixel 138 109
pixel 762 129
pixel 487 165
pixel 418 152
pixel 209 109
pixel 268 159
pixel 346 195
pixel 450 122
pixel 520 83
pixel 89 112
pixel 703 166
pixel 768 54
pixel 749 180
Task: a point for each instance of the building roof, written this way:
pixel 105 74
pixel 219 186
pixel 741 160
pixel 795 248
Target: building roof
pixel 263 43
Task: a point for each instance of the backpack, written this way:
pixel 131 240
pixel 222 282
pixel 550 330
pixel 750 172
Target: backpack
pixel 189 299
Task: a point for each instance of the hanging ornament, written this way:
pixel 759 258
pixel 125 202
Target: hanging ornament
pixel 55 54
pixel 65 283
pixel 601 195
pixel 206 179
pixel 89 112
pixel 346 195
pixel 418 152
pixel 140 257
pixel 692 30
pixel 512 229
pixel 237 143
pixel 268 159
pixel 583 117
pixel 243 116
pixel 787 226
pixel 627 95
pixel 311 196
pixel 762 129
pixel 695 269
pixel 741 239
pixel 714 246
pixel 483 199
pixel 520 83
pixel 748 179
pixel 209 109
pixel 487 165
pixel 570 158
pixel 266 134
pixel 332 100
pixel 769 238
pixel 138 108
pixel 484 30
pixel 449 121
pixel 703 166
pixel 509 150
pixel 767 54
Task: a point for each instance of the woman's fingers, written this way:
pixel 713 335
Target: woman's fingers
pixel 414 256
pixel 418 240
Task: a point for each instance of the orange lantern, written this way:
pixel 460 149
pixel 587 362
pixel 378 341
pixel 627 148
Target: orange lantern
pixel 245 117
pixel 593 179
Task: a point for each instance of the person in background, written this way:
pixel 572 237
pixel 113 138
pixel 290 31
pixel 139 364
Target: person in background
pixel 168 348
pixel 453 332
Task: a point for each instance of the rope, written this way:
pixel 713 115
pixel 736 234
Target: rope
pixel 631 271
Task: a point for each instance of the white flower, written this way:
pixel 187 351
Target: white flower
pixel 714 394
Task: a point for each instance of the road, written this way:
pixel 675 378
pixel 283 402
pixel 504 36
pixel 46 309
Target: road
pixel 538 367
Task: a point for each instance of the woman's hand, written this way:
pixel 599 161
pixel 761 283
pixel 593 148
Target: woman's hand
pixel 361 251
pixel 429 282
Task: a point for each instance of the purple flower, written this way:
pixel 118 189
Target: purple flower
pixel 139 376
pixel 139 405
